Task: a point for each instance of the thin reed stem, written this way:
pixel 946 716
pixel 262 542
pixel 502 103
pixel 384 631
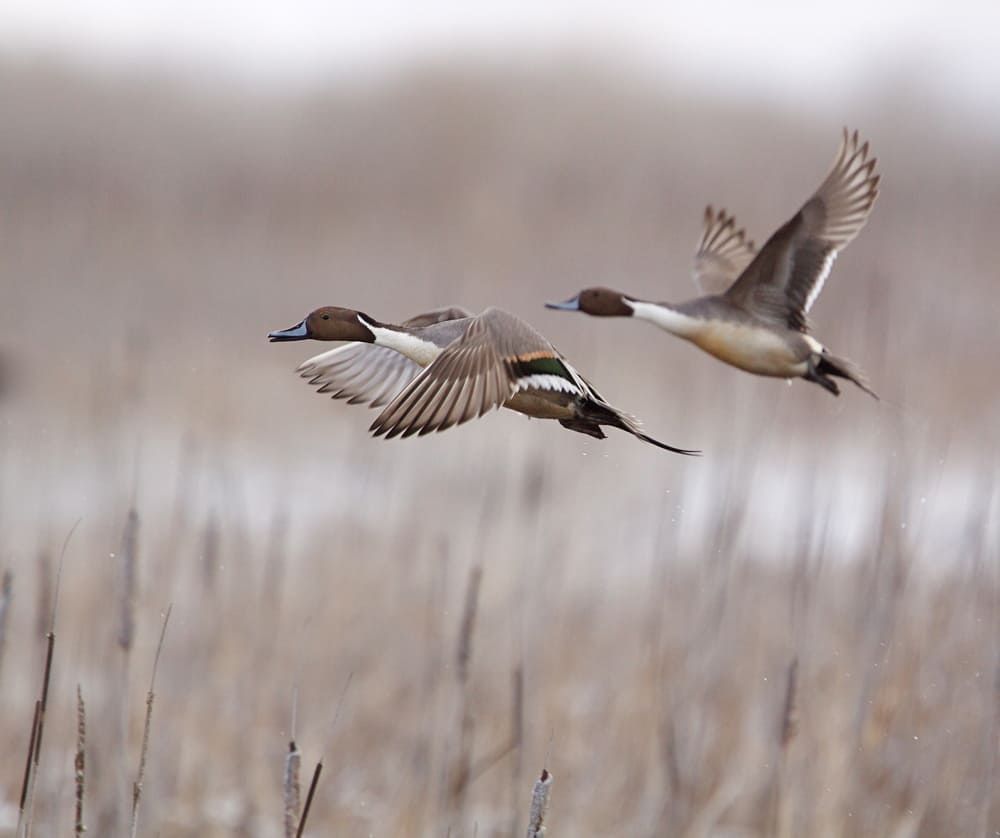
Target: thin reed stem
pixel 309 799
pixel 29 761
pixel 787 729
pixel 6 593
pixel 464 653
pixel 35 745
pixel 127 556
pixel 462 769
pixel 789 715
pixel 147 724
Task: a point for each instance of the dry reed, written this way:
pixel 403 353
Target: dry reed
pixel 80 762
pixel 146 727
pixel 539 804
pixel 127 560
pixel 787 728
pixel 126 582
pixel 461 772
pixel 309 799
pixel 27 804
pixel 23 815
pixel 44 591
pixel 27 801
pixel 291 789
pixel 6 592
pixel 517 739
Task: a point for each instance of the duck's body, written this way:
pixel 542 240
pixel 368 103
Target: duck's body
pixel 716 326
pixel 754 317
pixel 446 367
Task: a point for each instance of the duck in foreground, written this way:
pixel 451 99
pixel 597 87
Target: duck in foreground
pixel 754 314
pixel 449 366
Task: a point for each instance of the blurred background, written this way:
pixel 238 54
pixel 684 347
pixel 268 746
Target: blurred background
pixel 796 634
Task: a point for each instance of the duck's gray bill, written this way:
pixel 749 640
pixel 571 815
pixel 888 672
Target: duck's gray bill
pixel 572 304
pixel 294 333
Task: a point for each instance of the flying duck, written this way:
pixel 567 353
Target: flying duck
pixel 448 366
pixel 754 313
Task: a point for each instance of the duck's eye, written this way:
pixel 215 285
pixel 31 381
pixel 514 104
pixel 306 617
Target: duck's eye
pixel 326 316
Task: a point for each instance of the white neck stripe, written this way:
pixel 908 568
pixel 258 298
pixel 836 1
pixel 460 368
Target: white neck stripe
pixel 415 348
pixel 666 318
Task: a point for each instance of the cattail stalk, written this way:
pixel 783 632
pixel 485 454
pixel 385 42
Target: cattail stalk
pixel 789 714
pixel 462 771
pixel 787 729
pixel 6 590
pixel 210 551
pixel 80 763
pixel 291 787
pixel 513 742
pixel 127 556
pixel 468 623
pixel 539 805
pixel 517 737
pixel 125 579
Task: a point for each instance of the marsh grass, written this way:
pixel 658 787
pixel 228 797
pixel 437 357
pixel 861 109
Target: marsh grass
pixel 745 740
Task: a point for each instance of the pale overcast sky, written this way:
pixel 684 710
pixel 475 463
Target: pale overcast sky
pixel 784 48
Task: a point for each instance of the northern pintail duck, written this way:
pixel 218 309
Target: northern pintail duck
pixel 446 367
pixel 754 316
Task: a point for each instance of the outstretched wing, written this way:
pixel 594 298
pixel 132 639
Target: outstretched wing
pixel 723 252
pixel 465 381
pixel 360 372
pixel 497 356
pixel 785 278
pixel 364 373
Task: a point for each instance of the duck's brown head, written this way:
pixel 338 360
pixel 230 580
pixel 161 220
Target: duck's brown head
pixel 329 323
pixel 599 302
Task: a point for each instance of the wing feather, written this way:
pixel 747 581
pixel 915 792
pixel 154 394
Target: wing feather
pixel 465 381
pixel 360 372
pixel 786 276
pixel 723 252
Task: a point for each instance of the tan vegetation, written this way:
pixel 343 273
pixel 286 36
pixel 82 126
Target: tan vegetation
pixel 797 634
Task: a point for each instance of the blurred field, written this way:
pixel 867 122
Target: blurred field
pixel 151 234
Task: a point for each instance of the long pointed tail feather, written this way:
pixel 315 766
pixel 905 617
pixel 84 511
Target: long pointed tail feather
pixel 596 413
pixel 645 438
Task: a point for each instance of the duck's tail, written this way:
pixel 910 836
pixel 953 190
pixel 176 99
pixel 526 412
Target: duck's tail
pixel 591 414
pixel 830 364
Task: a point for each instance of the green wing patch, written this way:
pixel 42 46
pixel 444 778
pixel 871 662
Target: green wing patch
pixel 541 365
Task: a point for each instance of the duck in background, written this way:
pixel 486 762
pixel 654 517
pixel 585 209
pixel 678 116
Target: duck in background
pixel 754 313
